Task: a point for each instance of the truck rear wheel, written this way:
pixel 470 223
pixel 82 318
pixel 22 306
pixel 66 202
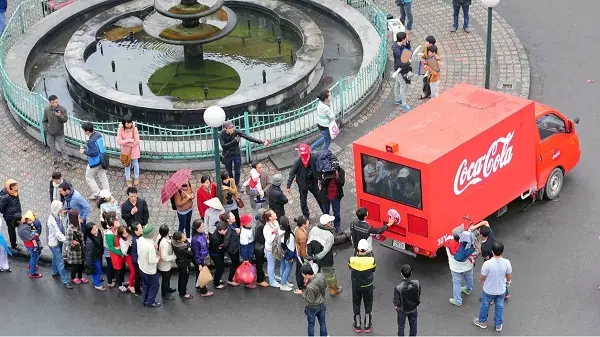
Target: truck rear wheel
pixel 554 183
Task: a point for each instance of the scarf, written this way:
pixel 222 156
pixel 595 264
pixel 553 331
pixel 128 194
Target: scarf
pixel 304 152
pixel 55 191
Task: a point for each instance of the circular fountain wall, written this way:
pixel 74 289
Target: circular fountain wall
pixel 271 59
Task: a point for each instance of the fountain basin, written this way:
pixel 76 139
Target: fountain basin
pixel 174 9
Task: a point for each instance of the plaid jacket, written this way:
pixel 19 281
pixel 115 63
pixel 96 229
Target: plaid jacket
pixel 74 253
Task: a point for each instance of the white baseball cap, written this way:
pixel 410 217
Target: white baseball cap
pixel 326 218
pixel 363 245
pixel 104 194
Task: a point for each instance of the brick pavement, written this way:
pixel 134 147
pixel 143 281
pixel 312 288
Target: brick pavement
pixel 26 160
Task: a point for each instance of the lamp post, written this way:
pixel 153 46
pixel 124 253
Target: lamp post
pixel 214 116
pixel 490 4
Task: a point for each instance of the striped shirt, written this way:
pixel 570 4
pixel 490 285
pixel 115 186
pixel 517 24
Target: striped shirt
pixel 324 114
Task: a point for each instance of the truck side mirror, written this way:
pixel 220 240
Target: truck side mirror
pixel 576 120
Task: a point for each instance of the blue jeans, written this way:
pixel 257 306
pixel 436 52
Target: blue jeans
pixel 150 286
pixel 316 313
pixel 136 169
pixel 97 275
pixel 247 252
pixel 465 14
pixel 185 221
pixel 58 264
pixel 406 14
pixel 285 268
pixel 324 140
pixel 335 204
pixel 231 163
pixel 270 267
pixel 484 307
pixel 2 22
pixel 457 279
pixel 34 256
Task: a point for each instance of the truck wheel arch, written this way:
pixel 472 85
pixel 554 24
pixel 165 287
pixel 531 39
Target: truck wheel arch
pixel 558 173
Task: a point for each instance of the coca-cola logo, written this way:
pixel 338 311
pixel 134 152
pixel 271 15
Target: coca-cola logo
pixel 498 156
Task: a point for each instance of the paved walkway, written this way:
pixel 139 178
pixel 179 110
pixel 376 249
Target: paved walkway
pixel 26 160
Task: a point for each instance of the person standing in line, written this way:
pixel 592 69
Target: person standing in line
pixel 184 204
pixel 55 237
pixel 230 143
pixel 461 270
pixel 94 250
pixel 137 233
pixel 231 244
pixel 107 203
pixel 126 246
pixel 406 14
pixel 246 238
pixel 213 214
pixel 217 255
pixel 402 78
pixel 304 171
pixel 259 249
pixel 3 6
pixel 55 117
pixel 362 266
pixel 94 150
pixel 320 242
pixel 206 191
pixel 199 246
pixel 457 5
pixel 55 182
pixel 75 247
pixel 10 206
pixel 288 243
pixel 301 237
pixel 117 258
pixel 230 195
pixel 332 192
pixel 314 295
pixel 270 231
pixel 167 258
pixel 276 198
pixel 129 139
pixel 135 209
pixel 74 200
pixel 325 116
pixel 361 230
pixel 407 297
pixel 496 276
pixel 265 183
pixel 183 251
pixel 148 259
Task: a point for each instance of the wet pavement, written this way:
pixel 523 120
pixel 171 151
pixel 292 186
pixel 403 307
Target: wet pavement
pixel 552 245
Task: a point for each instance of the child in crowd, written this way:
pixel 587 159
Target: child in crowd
pixel 126 246
pixel 29 231
pixel 184 261
pixel 246 238
pixel 433 78
pixel 430 50
pixel 255 186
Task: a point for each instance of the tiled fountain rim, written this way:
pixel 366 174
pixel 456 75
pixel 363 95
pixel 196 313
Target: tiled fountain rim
pixel 308 58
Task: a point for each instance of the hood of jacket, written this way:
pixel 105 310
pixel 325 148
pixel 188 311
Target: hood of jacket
pixel 7 189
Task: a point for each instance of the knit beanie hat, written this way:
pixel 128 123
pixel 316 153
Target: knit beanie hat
pixel 148 231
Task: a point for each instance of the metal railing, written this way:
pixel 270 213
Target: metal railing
pixel 167 143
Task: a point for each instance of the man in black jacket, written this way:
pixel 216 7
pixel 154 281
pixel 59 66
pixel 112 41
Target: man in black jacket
pixel 276 198
pixel 230 143
pixel 10 205
pixel 362 230
pixel 407 296
pixel 306 175
pixel 135 209
pixel 362 266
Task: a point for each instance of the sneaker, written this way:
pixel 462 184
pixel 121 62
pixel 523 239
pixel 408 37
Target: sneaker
pixel 499 327
pixel 290 284
pixel 36 275
pixel 128 183
pixel 285 288
pixel 55 274
pixel 76 281
pixel 357 329
pixel 263 284
pixel 123 289
pixel 482 325
pixel 465 291
pixel 68 285
pixel 455 302
pixel 398 102
pixel 153 305
pixel 468 29
pixel 406 107
pixel 453 30
pixel 208 294
pixel 100 288
pixel 277 278
pixel 84 280
pixel 275 285
pixel 136 181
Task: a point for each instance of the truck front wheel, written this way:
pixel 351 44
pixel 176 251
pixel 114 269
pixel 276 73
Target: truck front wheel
pixel 554 183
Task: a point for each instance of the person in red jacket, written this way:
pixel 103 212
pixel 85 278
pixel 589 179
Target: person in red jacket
pixel 206 191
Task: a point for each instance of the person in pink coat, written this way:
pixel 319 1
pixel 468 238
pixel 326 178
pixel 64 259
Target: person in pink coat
pixel 129 139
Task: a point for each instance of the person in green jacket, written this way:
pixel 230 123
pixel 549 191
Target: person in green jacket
pixel 117 257
pixel 314 295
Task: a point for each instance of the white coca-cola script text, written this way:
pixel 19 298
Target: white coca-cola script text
pixel 498 156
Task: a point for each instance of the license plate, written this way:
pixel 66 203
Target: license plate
pixel 398 244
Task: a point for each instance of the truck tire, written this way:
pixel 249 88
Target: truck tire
pixel 554 184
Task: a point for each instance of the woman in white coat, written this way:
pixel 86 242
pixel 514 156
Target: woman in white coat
pixel 55 235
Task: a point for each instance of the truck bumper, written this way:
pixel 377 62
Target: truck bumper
pixel 404 251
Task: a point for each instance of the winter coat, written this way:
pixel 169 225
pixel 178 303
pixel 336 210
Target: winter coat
pixel 76 201
pixel 230 143
pixel 407 296
pixel 55 125
pixel 360 230
pixel 215 244
pixel 277 200
pixel 231 242
pixel 340 179
pixel 199 248
pixel 94 249
pixel 167 257
pixel 320 241
pixel 94 149
pixel 314 294
pixel 362 268
pixel 306 177
pixel 202 196
pixel 142 215
pixel 55 236
pixel 184 253
pixel 127 147
pixel 74 252
pixel 9 205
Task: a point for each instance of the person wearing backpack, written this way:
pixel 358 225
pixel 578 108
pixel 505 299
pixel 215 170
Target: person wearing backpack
pixel 94 150
pixel 305 172
pixel 462 270
pixel 332 190
pixel 407 296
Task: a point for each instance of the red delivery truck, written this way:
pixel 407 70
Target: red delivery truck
pixel 468 152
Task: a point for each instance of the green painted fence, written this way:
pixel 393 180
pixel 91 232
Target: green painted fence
pixel 167 143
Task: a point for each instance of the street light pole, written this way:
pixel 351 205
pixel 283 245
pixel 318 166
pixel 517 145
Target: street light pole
pixel 214 117
pixel 490 4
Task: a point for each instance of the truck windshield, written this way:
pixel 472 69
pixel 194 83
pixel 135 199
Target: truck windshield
pixel 392 181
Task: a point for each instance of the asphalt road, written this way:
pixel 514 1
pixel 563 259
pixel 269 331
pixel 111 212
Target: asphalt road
pixel 552 246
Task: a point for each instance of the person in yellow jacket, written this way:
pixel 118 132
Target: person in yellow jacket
pixel 362 267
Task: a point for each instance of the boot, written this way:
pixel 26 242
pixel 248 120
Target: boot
pixel 335 290
pixel 356 326
pixel 368 323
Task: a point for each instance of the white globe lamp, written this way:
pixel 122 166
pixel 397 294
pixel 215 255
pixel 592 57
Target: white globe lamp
pixel 490 3
pixel 214 116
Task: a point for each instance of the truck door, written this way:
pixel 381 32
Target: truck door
pixel 553 137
